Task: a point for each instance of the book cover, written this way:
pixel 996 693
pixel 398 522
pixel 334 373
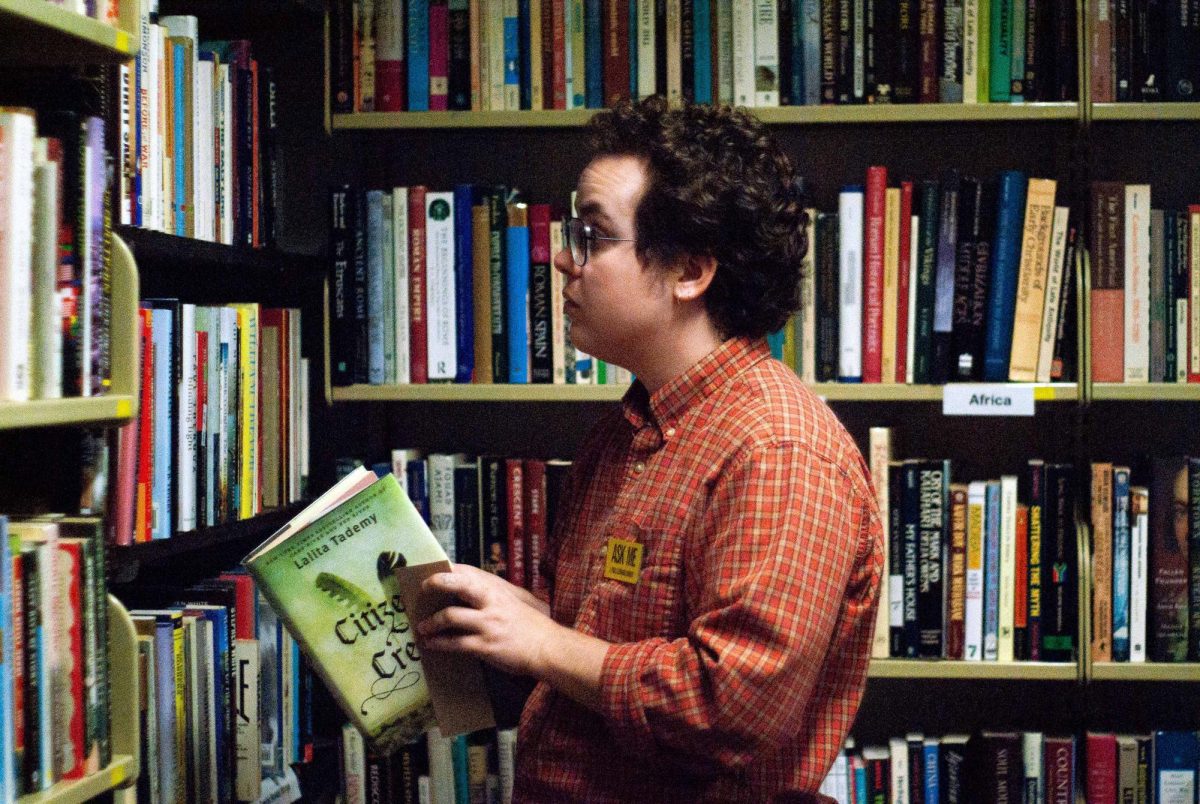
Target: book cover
pixel 328 575
pixel 1102 561
pixel 1120 564
pixel 1176 760
pixel 1168 544
pixel 1002 294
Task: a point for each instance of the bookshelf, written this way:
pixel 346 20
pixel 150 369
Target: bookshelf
pixel 43 33
pixel 120 404
pixel 973 671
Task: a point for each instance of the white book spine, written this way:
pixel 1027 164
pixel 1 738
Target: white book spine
pixel 506 747
pixel 674 41
pixel 123 201
pixel 973 609
pixel 880 450
pixel 441 499
pixel 766 53
pixel 225 131
pixel 1139 542
pixel 441 766
pixel 305 369
pixel 16 252
pixel 185 471
pixel 1008 565
pixel 850 271
pixel 375 300
pixel 495 40
pixel 1054 291
pixel 46 324
pixel 1181 337
pixel 911 337
pixel 152 194
pixel 400 461
pixel 399 269
pixel 206 225
pixel 557 318
pixel 970 51
pixel 353 765
pixel 439 284
pixel 142 123
pixel 1137 283
pixel 743 53
pixel 898 753
pixel 724 16
pixel 1032 746
pixel 645 48
pixel 806 325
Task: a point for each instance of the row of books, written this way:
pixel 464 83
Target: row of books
pixel 54 709
pixel 227 702
pixel 1146 561
pixel 197 136
pixel 436 769
pixel 1145 287
pixel 222 429
pixel 981 571
pixel 488 511
pixel 458 286
pixel 493 55
pixel 1019 767
pixel 1144 51
pixel 55 252
pixel 106 11
pixel 936 280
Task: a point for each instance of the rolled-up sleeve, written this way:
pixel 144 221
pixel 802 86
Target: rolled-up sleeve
pixel 768 574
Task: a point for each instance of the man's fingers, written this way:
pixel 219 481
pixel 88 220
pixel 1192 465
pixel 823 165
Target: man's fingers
pixel 462 585
pixel 450 619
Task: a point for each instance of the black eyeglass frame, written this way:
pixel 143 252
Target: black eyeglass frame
pixel 588 236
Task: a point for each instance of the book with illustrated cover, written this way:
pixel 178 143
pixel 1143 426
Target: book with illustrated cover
pixel 329 576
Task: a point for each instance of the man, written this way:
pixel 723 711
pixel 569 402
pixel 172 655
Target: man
pixel 715 569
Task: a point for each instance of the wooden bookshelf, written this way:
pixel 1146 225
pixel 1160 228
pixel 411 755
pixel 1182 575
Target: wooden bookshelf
pixel 1146 392
pixel 120 404
pixel 778 115
pixel 37 32
pixel 977 671
pixel 1145 671
pixel 1104 112
pixel 124 721
pixel 197 547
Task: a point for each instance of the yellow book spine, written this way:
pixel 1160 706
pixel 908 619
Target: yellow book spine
pixel 250 500
pixel 180 711
pixel 891 282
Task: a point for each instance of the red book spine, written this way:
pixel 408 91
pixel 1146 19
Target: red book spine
pixel 145 475
pixel 18 657
pixel 247 623
pixel 418 349
pixel 1108 282
pixel 558 62
pixel 69 569
pixel 1193 274
pixel 1101 768
pixel 1021 586
pixel 1059 770
pixel 616 52
pixel 873 245
pixel 514 487
pixel 929 90
pixel 439 56
pixel 535 527
pixel 902 291
pixel 547 53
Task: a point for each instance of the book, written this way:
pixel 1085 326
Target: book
pixel 347 613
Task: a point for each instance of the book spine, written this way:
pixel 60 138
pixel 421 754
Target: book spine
pixel 375 295
pixel 1000 50
pixel 516 289
pixel 439 55
pixel 390 81
pixel 1021 586
pixel 899 646
pixel 991 571
pixel 873 246
pixel 514 484
pixel 850 272
pixel 1121 564
pixel 1193 547
pixel 1031 280
pixel 359 290
pixel 399 269
pixel 617 43
pixel 497 226
pixel 493 495
pixel 418 56
pixel 934 488
pixel 540 297
pixel 464 291
pixel 880 453
pixel 440 297
pixel 1137 283
pixel 957 573
pixel 827 297
pixel 1139 548
pixel 418 323
pixel 1055 288
pixel 1168 556
pixel 1004 278
pixel 1008 568
pixel 1060 590
pixel 1102 561
pixel 943 302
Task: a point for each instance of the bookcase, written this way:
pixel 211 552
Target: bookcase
pixel 1079 422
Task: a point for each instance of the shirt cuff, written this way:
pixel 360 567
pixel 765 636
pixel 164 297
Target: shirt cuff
pixel 620 699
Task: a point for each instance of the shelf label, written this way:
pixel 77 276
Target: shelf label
pixel 975 399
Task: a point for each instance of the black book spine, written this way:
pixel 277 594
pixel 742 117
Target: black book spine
pixel 359 288
pixel 907 64
pixel 494 515
pixel 244 198
pixel 1060 571
pixel 916 769
pixel 341 56
pixel 460 59
pixel 34 686
pixel 1182 32
pixel 540 302
pixel 895 568
pixel 830 51
pixel 845 51
pixel 1170 322
pixel 269 206
pixel 1062 367
pixel 924 294
pixel 787 68
pixel 467 543
pixel 933 487
pixel 982 231
pixel 687 44
pixel 880 50
pixel 1122 11
pixel 1035 30
pixel 1149 50
pixel 963 363
pixel 497 223
pixel 1065 80
pixel 1193 544
pixel 910 544
pixel 943 305
pixel 660 47
pixel 827 296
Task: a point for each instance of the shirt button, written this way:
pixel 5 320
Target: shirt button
pixel 669 432
pixel 639 467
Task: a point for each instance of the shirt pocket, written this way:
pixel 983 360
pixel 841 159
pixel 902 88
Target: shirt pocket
pixel 617 611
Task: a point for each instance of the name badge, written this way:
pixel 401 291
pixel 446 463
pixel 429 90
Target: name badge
pixel 623 560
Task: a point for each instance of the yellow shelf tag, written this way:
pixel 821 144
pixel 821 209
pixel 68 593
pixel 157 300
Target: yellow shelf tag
pixel 123 41
pixel 124 408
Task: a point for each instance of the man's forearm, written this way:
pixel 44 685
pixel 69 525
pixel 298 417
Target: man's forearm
pixel 572 662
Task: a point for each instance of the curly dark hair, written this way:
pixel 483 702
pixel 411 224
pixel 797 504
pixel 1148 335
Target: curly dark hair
pixel 717 185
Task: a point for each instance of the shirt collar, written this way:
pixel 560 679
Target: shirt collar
pixel 666 406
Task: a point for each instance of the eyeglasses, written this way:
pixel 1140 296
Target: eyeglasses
pixel 579 237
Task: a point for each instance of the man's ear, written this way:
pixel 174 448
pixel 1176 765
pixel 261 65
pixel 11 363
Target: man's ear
pixel 695 274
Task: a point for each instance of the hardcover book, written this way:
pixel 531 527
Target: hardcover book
pixel 329 575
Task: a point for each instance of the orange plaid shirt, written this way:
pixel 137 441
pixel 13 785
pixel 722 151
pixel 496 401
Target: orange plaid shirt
pixel 740 654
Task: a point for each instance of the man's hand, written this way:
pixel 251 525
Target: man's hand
pixel 511 629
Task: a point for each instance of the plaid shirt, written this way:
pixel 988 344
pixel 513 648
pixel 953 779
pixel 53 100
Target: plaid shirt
pixel 740 654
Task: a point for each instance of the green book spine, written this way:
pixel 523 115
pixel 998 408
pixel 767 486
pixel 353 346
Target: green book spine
pixel 999 60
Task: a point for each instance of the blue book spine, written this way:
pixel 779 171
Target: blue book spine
pixel 8 776
pixel 417 61
pixel 181 201
pixel 164 338
pixel 811 14
pixel 932 755
pixel 376 370
pixel 793 40
pixel 860 783
pixel 991 573
pixel 418 488
pixel 526 47
pixel 593 37
pixel 516 292
pixel 296 707
pixel 775 341
pixel 633 56
pixel 137 133
pixel 1175 763
pixel 1120 568
pixel 702 36
pixel 1006 261
pixel 512 55
pixel 220 620
pixel 464 312
pixel 462 782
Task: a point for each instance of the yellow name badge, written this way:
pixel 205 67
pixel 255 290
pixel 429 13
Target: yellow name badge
pixel 623 560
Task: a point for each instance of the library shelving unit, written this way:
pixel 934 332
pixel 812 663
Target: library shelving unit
pixel 40 34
